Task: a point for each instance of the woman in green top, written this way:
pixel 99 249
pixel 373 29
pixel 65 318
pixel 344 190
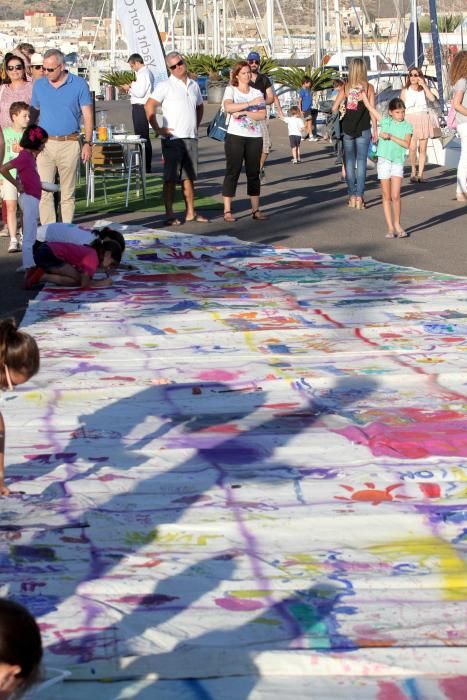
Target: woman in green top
pixel 394 140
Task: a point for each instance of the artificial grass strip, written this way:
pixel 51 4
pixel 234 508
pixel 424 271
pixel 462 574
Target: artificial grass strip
pixel 116 191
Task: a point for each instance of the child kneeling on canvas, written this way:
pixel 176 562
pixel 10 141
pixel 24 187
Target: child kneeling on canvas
pixel 72 265
pixel 394 140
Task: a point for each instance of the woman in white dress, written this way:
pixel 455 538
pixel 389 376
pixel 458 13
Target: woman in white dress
pixel 417 98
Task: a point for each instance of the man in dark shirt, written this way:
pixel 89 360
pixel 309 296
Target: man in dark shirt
pixel 261 82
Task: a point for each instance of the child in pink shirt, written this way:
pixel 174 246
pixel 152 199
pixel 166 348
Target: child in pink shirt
pixel 28 184
pixel 72 265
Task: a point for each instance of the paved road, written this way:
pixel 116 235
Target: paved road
pixel 307 208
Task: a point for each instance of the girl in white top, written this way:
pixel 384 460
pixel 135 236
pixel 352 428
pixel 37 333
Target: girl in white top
pixel 417 97
pixel 244 140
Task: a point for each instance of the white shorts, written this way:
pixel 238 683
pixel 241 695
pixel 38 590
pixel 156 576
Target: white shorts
pixel 387 169
pixel 9 192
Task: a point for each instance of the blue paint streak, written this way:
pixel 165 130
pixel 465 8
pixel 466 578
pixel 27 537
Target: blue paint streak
pixel 298 491
pixel 149 329
pixel 410 685
pixel 279 348
pixel 198 690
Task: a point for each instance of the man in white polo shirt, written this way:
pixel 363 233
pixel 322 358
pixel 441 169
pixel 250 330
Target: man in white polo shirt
pixel 182 111
pixel 139 91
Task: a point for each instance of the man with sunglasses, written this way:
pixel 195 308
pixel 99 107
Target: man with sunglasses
pixel 182 111
pixel 261 82
pixel 60 99
pixel 36 66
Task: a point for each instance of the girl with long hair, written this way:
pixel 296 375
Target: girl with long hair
pixel 358 128
pixel 28 184
pixel 458 80
pixel 417 98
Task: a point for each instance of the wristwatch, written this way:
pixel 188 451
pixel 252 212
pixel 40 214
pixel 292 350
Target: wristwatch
pixel 86 143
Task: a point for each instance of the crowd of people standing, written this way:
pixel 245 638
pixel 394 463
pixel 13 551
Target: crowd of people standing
pixel 41 90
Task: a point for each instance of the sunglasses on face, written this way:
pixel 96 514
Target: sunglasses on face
pixel 414 75
pixel 177 65
pixel 38 67
pixel 50 70
pixel 253 62
pixel 14 67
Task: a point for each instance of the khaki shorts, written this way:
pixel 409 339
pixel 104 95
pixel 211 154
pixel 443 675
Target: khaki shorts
pixel 267 145
pixel 9 191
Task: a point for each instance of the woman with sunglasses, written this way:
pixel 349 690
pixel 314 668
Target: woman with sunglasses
pixel 19 361
pixel 15 87
pixel 417 96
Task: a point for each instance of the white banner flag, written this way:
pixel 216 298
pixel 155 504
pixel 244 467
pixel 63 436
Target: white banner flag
pixel 140 30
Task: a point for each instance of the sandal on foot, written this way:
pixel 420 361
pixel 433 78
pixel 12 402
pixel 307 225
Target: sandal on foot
pixel 172 221
pixel 228 217
pixel 351 203
pixel 390 234
pixel 402 234
pixel 413 179
pixel 258 215
pixel 359 203
pixel 199 219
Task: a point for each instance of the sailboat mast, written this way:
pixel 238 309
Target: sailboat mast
pixel 415 32
pixel 338 33
pixel 270 25
pixel 113 34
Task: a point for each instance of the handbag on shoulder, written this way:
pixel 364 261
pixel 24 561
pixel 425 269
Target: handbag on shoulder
pixel 217 127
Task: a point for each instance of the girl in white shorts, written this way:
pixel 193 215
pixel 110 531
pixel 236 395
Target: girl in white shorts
pixel 394 140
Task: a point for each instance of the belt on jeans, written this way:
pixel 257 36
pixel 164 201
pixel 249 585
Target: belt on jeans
pixel 67 137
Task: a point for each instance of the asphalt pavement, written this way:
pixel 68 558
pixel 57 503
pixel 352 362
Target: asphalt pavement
pixel 307 208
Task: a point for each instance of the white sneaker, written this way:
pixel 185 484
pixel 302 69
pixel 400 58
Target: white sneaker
pixel 14 246
pixel 313 138
pixel 294 161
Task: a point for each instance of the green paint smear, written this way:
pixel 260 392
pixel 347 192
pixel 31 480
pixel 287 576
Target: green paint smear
pixel 312 625
pixel 266 621
pixel 250 594
pixel 116 193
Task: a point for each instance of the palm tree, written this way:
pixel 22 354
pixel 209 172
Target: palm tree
pixel 292 77
pixel 118 77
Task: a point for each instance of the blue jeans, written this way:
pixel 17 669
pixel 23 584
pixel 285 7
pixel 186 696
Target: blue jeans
pixel 356 153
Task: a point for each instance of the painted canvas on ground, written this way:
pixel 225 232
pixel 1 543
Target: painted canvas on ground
pixel 246 464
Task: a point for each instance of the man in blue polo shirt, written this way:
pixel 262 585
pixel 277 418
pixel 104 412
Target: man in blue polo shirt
pixel 61 99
